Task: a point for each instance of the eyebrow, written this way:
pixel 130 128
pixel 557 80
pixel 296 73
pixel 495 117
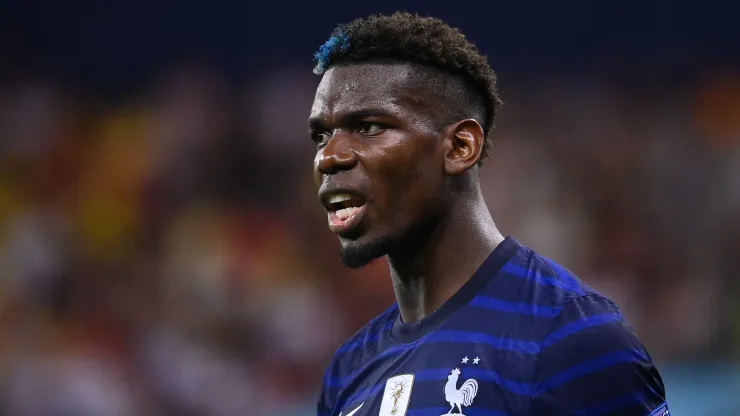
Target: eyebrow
pixel 318 123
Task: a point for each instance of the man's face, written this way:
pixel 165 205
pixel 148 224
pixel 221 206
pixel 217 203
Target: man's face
pixel 379 161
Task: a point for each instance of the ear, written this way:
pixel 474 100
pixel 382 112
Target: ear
pixel 463 145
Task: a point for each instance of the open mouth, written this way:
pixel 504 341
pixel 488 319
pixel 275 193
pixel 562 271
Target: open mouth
pixel 343 205
pixel 344 212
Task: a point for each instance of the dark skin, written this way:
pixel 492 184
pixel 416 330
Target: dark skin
pixel 379 136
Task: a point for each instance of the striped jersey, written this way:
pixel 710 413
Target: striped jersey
pixel 523 336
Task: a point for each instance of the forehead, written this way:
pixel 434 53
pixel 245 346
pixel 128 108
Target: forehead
pixel 369 85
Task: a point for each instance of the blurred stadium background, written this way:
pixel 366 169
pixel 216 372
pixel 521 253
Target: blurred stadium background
pixel 162 251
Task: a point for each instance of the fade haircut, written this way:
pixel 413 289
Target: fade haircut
pixel 470 88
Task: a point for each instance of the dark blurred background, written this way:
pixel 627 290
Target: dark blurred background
pixel 162 251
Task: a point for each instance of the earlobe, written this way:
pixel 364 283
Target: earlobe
pixel 463 146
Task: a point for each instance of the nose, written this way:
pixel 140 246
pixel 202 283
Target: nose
pixel 336 156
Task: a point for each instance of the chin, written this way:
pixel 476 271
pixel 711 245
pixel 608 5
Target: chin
pixel 358 253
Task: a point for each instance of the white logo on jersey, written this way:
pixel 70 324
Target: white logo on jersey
pixel 459 397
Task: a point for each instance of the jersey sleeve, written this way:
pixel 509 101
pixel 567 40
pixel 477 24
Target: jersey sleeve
pixel 591 362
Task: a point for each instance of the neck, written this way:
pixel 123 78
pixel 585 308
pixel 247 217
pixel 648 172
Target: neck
pixel 431 267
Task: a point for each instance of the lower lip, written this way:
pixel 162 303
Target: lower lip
pixel 340 227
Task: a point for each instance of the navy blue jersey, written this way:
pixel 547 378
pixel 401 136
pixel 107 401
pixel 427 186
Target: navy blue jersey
pixel 523 336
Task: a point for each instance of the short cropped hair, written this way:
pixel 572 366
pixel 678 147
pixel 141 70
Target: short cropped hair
pixel 425 41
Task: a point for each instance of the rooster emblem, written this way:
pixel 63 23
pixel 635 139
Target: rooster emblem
pixel 459 397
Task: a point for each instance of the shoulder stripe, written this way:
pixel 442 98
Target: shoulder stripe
pixel 539 278
pixel 368 337
pixel 579 325
pixel 486 302
pixel 343 381
pixel 515 307
pixel 588 367
pixel 564 274
pixel 529 347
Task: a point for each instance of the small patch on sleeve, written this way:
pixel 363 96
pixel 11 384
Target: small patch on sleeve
pixel 662 410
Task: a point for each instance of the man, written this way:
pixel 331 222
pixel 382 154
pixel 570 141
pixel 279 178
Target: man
pixel 482 325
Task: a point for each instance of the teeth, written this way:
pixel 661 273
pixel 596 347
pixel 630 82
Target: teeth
pixel 345 213
pixel 339 198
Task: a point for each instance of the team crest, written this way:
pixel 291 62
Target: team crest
pixel 397 395
pixel 459 397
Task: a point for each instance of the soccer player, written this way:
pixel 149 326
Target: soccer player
pixel 402 119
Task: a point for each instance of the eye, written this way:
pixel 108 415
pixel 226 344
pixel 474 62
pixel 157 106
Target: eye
pixel 370 128
pixel 320 137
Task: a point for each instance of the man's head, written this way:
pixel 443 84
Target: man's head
pixel 401 119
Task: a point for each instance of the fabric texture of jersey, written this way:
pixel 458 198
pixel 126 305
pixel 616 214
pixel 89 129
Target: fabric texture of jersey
pixel 524 336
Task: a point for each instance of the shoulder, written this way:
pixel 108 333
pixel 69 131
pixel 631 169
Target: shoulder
pixel 591 358
pixel 590 322
pixel 351 355
pixel 362 346
pixel 366 340
pixel 582 311
pixel 534 278
pixel 587 324
pixel 563 283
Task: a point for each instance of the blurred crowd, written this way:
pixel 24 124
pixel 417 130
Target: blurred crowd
pixel 165 253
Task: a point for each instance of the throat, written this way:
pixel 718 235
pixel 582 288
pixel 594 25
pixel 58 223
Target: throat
pixel 429 268
pixel 420 298
pixel 421 295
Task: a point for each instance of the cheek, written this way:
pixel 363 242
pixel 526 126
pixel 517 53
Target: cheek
pixel 410 179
